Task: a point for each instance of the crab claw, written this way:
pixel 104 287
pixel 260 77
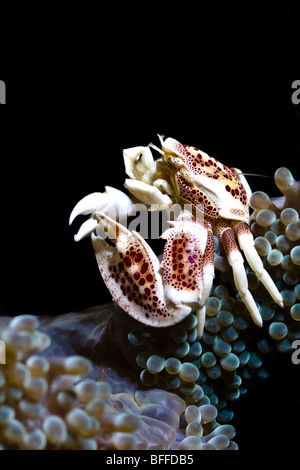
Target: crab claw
pixel 139 163
pixel 88 204
pixel 112 201
pixel 132 274
pixel 188 264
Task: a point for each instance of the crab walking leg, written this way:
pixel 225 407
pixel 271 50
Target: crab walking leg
pixel 131 272
pixel 208 276
pixel 236 261
pixel 201 315
pixel 246 243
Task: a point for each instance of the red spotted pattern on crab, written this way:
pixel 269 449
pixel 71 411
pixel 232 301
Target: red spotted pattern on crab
pixel 131 271
pixel 198 168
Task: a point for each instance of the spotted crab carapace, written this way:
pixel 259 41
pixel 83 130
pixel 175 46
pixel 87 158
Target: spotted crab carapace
pixel 214 201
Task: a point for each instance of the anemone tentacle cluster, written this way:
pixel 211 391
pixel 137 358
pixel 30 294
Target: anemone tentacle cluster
pixel 47 403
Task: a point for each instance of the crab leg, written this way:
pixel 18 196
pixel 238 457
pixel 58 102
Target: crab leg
pixel 235 259
pixel 246 242
pixel 208 277
pixel 131 272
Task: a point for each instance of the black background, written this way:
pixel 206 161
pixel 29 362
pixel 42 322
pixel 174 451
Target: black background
pixel 83 85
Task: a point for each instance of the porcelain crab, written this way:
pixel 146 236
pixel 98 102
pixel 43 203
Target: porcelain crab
pixel 163 293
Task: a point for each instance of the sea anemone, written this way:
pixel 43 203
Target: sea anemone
pixel 45 403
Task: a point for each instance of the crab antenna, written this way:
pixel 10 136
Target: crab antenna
pixel 256 174
pixel 155 148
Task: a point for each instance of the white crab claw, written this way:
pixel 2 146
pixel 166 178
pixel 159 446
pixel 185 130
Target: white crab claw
pixel 112 201
pixel 139 163
pixel 88 205
pixel 147 193
pixel 86 229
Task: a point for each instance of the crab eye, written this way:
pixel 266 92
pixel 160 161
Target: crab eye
pixel 177 161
